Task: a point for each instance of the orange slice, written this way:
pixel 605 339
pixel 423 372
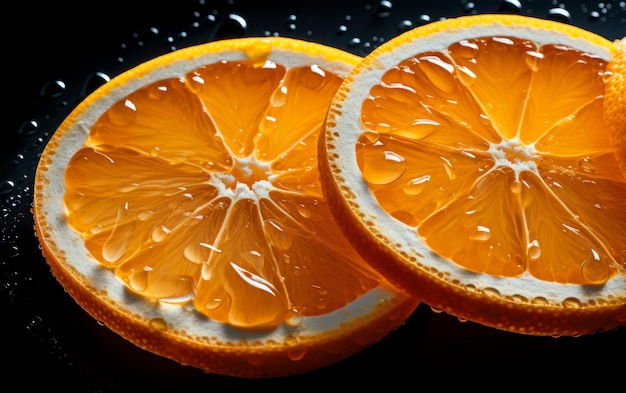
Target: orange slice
pixel 468 161
pixel 615 101
pixel 180 205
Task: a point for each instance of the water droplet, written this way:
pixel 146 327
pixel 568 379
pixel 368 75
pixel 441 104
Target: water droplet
pixel 559 14
pixel 387 168
pixel 480 234
pixel 295 352
pixel 29 127
pixel 303 210
pixel 160 233
pixel 342 29
pixel 279 97
pixel 122 113
pixel 416 186
pixel 587 166
pixel 606 76
pixel 594 269
pixel 516 187
pixel 213 304
pixel 53 89
pixel 231 27
pixel 158 323
pixel 533 60
pixel 510 7
pixel 465 50
pixel 6 187
pixel 94 81
pixel 294 318
pixel 405 25
pixel 418 130
pixel 383 9
pixel 278 237
pixel 449 168
pixel 572 302
pixel 491 292
pixel 355 41
pixel 534 250
pixel 138 279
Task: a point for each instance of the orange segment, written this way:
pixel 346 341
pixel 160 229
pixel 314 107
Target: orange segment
pixel 180 204
pixel 470 162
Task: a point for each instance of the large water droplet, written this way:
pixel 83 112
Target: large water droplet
pixel 93 82
pixel 29 127
pixel 53 89
pixel 231 27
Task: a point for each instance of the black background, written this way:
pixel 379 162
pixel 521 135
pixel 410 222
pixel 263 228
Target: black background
pixel 52 48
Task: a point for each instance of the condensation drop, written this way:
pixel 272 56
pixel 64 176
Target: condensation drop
pixel 277 236
pixel 6 187
pixel 534 250
pixel 389 168
pixel 93 82
pixel 158 323
pixel 416 186
pixel 29 127
pixel 231 27
pixel 122 113
pixel 480 234
pixel 138 279
pixel 53 89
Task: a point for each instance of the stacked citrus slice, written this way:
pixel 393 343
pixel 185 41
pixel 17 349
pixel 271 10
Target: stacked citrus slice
pixel 179 204
pixel 266 206
pixel 470 162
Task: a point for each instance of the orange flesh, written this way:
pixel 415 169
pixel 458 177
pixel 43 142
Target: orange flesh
pixel 502 163
pixel 205 189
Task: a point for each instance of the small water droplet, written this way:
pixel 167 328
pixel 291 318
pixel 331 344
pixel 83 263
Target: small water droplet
pixel 160 233
pixel 213 304
pixel 533 60
pixel 405 25
pixel 480 234
pixel 534 250
pixel 138 279
pixel 420 129
pixel 387 168
pixel 6 187
pixel 510 7
pixel 122 113
pixel 53 89
pixel 276 234
pixel 559 14
pixel 416 186
pixel 572 302
pixel 383 9
pixel 92 82
pixel 158 323
pixel 29 127
pixel 355 41
pixel 231 27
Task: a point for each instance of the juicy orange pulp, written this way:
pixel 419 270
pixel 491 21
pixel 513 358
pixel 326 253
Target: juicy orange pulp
pixel 205 189
pixel 492 158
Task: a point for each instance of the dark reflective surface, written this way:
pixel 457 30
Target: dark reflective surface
pixel 56 53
